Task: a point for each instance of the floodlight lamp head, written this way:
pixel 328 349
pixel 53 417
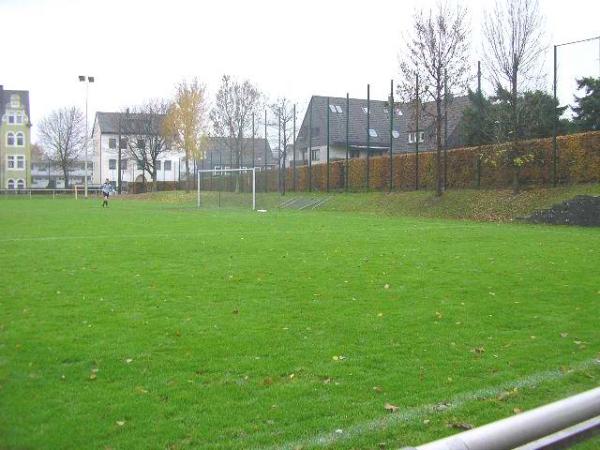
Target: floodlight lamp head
pixel 91 79
pixel 81 77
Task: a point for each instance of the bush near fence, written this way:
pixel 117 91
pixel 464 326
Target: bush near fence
pixel 579 162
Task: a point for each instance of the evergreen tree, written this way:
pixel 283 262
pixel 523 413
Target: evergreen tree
pixel 587 109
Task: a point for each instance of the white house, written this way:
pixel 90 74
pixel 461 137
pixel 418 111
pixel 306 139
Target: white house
pixel 113 129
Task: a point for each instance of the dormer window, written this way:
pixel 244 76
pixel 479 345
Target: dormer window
pixel 372 132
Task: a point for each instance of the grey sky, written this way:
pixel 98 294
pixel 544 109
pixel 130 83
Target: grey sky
pixel 138 49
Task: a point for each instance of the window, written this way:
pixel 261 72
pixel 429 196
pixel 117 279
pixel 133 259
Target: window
pixel 10 139
pixel 11 118
pixel 123 143
pixel 140 165
pixel 372 132
pixel 112 143
pixel 21 184
pixel 158 165
pixel 167 166
pixel 412 137
pixel 338 108
pixel 123 165
pixel 335 109
pixel 112 164
pixel 332 108
pixel 141 144
pixel 10 162
pixel 15 101
pixel 20 162
pixel 365 110
pixel 20 139
pixel 11 184
pixel 398 112
pixel 19 117
pixel 395 134
pixel 315 154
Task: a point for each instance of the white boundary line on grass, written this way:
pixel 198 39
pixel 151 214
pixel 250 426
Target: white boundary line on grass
pixel 410 414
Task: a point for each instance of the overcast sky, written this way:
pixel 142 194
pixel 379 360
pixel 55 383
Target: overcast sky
pixel 139 49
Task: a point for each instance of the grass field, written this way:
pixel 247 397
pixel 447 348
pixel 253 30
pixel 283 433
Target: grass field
pixel 155 325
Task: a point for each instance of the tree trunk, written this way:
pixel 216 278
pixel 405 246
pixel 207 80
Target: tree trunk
pixel 66 175
pixel 515 130
pixel 187 173
pixel 438 139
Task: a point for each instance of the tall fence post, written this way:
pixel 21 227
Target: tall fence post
pixel 391 107
pixel 368 131
pixel 417 135
pixel 346 172
pixel 294 151
pixel 310 145
pixel 327 177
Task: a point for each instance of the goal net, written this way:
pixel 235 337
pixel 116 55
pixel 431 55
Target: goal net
pixel 223 187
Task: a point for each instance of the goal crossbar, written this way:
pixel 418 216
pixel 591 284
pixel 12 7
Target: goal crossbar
pixel 224 171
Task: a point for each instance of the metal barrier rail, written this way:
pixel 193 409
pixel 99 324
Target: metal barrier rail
pixel 44 191
pixel 551 426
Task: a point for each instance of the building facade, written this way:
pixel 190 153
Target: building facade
pixel 112 130
pixel 15 141
pixel 363 127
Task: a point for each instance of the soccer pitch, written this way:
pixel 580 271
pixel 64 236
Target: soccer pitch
pixel 150 325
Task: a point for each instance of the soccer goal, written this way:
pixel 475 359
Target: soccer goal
pixel 227 187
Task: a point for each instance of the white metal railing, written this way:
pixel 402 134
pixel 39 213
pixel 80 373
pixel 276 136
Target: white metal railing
pixel 32 192
pixel 558 422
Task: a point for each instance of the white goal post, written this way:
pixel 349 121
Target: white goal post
pixel 223 171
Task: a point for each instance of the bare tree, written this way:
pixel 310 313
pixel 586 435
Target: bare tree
pixel 513 47
pixel 437 44
pixel 283 109
pixel 62 135
pixel 185 121
pixel 231 115
pixel 147 136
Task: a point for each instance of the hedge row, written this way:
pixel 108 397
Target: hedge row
pixel 486 166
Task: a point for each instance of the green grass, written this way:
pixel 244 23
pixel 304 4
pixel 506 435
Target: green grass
pixel 153 325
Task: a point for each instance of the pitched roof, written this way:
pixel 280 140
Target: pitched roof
pixel 5 95
pixel 219 149
pixel 127 123
pixel 379 121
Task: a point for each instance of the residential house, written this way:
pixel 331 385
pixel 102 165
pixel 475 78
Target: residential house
pixel 112 130
pixel 373 139
pixel 220 153
pixel 15 139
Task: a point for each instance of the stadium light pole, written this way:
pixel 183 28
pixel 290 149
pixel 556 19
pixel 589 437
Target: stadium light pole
pixel 87 80
pixel 555 119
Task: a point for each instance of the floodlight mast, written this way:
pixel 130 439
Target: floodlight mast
pixel 87 80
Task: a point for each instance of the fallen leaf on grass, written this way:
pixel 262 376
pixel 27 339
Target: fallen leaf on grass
pixel 517 410
pixel 129 360
pixel 390 408
pixel 386 286
pixel 564 335
pixel 92 376
pixel 268 381
pixel 378 389
pixel 438 315
pixel 478 350
pixel 120 422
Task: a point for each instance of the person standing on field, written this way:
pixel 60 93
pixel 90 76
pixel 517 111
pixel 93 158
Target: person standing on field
pixel 107 188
